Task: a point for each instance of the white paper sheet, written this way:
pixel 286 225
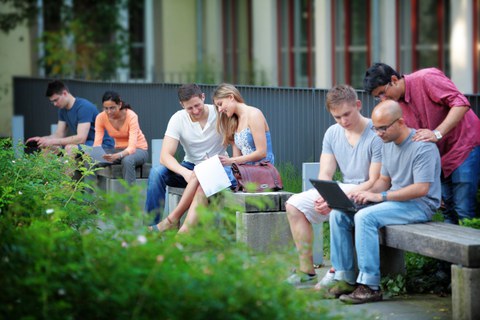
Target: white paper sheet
pixel 212 176
pixel 96 153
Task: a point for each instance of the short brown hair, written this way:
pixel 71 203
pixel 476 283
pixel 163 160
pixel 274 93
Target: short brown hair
pixel 339 95
pixel 188 91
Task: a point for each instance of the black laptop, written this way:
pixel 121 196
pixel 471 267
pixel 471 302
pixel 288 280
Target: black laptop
pixel 335 197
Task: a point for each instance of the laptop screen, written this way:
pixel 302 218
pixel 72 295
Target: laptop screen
pixel 333 195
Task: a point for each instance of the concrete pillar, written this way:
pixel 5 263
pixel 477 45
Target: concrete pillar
pixel 17 133
pixel 387 39
pixel 465 293
pixel 265 40
pixel 149 41
pixel 264 231
pixel 461 44
pixel 323 44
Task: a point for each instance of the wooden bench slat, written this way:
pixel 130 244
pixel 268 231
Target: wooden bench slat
pixel 456 244
pixel 442 231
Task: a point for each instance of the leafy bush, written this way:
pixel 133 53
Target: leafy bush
pixel 67 253
pixel 472 223
pixel 292 180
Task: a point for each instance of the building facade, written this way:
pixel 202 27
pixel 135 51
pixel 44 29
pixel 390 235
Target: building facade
pixel 286 43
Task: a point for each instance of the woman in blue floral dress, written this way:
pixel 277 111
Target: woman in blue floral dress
pixel 246 130
pixel 242 126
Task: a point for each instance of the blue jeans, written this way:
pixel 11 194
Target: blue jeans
pixel 159 178
pixel 459 190
pixel 367 222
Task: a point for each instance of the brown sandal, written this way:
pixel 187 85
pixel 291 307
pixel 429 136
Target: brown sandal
pixel 164 225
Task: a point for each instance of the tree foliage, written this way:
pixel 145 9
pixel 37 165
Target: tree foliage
pixel 17 11
pixel 82 40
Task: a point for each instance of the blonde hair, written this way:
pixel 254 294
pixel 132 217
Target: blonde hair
pixel 226 126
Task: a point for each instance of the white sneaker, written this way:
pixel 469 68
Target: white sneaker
pixel 301 280
pixel 327 280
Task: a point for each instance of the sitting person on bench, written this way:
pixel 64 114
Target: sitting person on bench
pixel 246 130
pixel 194 128
pixel 75 114
pixel 131 148
pixel 408 191
pixel 432 104
pixel 354 147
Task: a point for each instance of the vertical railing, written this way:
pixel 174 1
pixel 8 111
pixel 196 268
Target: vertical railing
pixel 297 116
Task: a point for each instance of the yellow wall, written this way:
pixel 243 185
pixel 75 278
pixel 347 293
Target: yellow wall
pixel 15 51
pixel 178 39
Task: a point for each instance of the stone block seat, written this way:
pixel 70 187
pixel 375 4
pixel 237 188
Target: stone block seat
pixel 456 244
pixel 109 177
pixel 263 230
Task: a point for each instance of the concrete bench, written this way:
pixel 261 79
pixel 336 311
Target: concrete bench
pixel 108 179
pixel 264 230
pixel 456 244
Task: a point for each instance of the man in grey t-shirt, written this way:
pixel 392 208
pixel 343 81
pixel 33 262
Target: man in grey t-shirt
pixel 408 191
pixel 356 150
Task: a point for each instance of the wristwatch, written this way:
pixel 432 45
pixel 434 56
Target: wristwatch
pixel 384 196
pixel 437 134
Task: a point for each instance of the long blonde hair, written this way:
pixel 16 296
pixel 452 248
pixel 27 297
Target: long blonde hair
pixel 225 125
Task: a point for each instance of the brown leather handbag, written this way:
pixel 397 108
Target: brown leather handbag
pixel 263 174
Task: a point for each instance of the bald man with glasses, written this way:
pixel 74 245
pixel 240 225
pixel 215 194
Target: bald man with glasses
pixel 408 191
pixel 432 104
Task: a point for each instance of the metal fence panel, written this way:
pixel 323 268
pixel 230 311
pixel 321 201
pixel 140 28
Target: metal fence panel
pixel 297 116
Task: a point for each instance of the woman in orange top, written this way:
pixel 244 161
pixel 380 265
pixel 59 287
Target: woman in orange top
pixel 131 148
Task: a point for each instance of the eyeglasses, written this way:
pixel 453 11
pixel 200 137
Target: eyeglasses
pixel 383 129
pixel 110 108
pixel 382 93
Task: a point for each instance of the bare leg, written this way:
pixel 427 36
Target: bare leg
pixel 185 202
pixel 192 215
pixel 302 233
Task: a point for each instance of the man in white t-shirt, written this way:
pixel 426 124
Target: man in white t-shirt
pixel 194 128
pixel 355 149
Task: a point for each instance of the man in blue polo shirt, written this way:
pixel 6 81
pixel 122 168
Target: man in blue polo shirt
pixel 76 114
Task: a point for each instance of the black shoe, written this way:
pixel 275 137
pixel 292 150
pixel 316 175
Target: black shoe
pixel 362 294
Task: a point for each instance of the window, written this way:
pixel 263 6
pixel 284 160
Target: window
pixel 237 41
pixel 351 41
pixel 295 43
pixel 424 34
pixel 137 39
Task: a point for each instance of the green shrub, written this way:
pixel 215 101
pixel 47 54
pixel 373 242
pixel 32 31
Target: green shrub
pixel 67 253
pixel 291 178
pixel 472 223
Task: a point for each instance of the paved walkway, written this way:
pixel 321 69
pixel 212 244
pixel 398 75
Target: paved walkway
pixel 411 307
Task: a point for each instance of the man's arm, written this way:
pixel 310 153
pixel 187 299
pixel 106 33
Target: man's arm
pixel 454 116
pixel 373 176
pixel 167 158
pixel 328 165
pixel 60 139
pixel 413 191
pixel 52 139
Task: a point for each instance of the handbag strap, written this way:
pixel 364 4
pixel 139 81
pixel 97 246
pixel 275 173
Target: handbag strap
pixel 274 172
